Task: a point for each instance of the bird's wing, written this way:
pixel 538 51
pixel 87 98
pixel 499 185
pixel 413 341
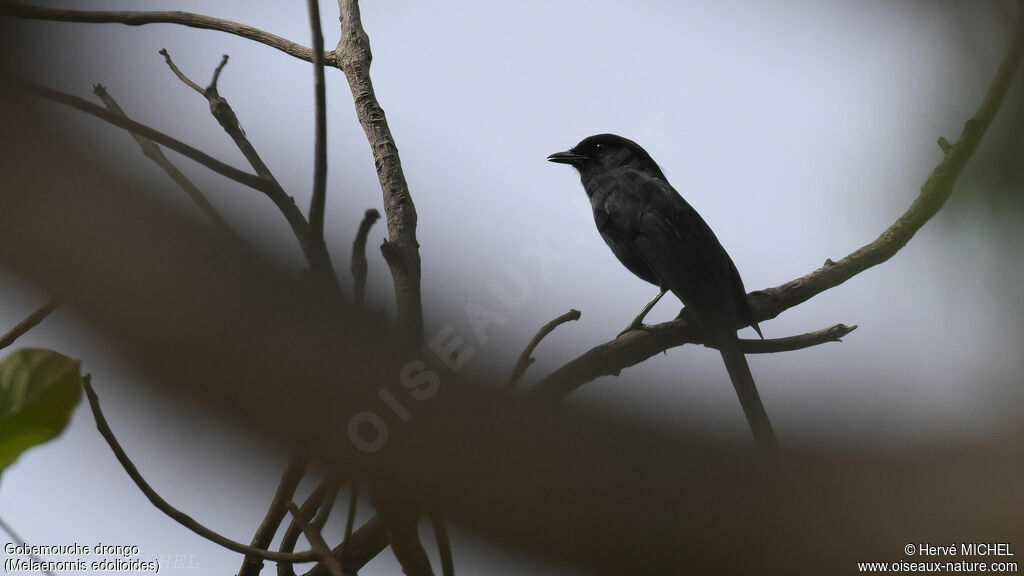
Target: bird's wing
pixel 681 249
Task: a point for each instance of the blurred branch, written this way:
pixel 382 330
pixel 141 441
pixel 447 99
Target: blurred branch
pixel 291 535
pixel 365 544
pixel 634 347
pixel 19 540
pixel 404 539
pixel 444 545
pixel 400 249
pixel 359 266
pixel 293 473
pixel 526 358
pixel 121 121
pixel 319 197
pixel 350 522
pixel 312 533
pixel 162 505
pixel 29 323
pixel 138 18
pixel 154 153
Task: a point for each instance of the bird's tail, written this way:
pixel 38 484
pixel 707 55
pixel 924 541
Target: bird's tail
pixel 750 400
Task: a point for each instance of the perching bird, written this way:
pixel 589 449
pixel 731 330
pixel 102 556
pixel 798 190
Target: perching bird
pixel 659 237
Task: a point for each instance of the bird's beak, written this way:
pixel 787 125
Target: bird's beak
pixel 568 157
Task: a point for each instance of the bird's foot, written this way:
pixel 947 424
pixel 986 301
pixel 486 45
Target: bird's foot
pixel 637 325
pixel 638 322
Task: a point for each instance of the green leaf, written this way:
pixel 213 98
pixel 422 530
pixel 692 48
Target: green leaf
pixel 39 390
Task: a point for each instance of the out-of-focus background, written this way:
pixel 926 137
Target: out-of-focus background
pixel 800 130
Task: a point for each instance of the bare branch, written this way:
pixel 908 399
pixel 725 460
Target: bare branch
pixel 291 535
pixel 359 266
pixel 401 249
pixel 350 522
pixel 365 544
pixel 121 121
pixel 181 75
pixel 29 323
pixel 526 358
pixel 799 342
pixel 444 545
pixel 316 540
pixel 139 18
pixel 634 347
pixel 154 153
pixel 162 505
pixel 404 538
pixel 319 198
pixel 315 252
pixel 19 540
pixel 293 473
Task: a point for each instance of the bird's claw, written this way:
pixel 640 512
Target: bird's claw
pixel 636 326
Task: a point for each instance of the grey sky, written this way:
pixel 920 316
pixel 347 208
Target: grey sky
pixel 800 130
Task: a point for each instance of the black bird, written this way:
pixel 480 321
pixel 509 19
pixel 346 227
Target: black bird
pixel 659 237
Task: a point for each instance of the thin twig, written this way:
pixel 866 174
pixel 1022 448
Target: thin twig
pixel 633 348
pixel 293 473
pixel 319 199
pixel 327 506
pixel 365 544
pixel 798 342
pixel 19 540
pixel 29 323
pixel 181 75
pixel 350 521
pixel 526 358
pixel 154 153
pixel 315 252
pixel 401 249
pixel 444 545
pixel 316 540
pixel 291 535
pixel 250 180
pixel 359 266
pixel 162 505
pixel 138 18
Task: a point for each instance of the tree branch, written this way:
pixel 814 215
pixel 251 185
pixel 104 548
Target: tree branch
pixel 162 505
pixel 19 540
pixel 799 342
pixel 526 358
pixel 250 180
pixel 139 18
pixel 293 473
pixel 359 266
pixel 312 533
pixel 365 544
pixel 291 535
pixel 444 546
pixel 154 153
pixel 315 252
pixel 634 347
pixel 350 522
pixel 29 323
pixel 319 198
pixel 401 249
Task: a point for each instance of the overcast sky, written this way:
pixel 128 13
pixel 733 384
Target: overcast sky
pixel 799 129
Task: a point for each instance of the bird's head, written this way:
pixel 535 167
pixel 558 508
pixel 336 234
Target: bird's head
pixel 607 152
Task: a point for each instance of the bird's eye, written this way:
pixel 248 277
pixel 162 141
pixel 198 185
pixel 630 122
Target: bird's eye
pixel 598 147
